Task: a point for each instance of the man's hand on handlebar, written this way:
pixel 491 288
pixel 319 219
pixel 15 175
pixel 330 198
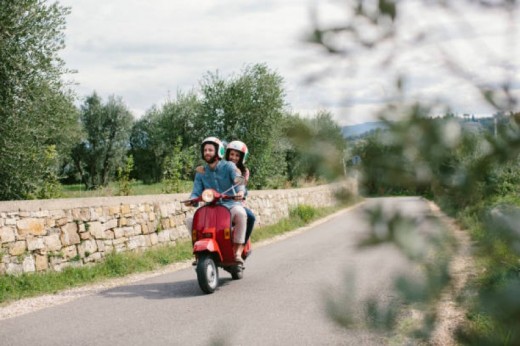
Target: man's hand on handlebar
pixel 190 203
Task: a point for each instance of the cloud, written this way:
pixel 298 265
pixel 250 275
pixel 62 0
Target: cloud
pixel 122 47
pixel 143 51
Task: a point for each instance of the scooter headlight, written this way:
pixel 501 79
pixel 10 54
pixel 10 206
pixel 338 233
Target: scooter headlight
pixel 208 196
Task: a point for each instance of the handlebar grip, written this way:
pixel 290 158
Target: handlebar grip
pixel 192 202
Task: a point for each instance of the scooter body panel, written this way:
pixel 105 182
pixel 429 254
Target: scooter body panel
pixel 212 228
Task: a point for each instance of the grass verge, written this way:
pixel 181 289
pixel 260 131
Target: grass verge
pixel 490 297
pixel 15 287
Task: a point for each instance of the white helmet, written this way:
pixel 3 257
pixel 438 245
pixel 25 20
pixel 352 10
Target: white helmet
pixel 219 147
pixel 240 147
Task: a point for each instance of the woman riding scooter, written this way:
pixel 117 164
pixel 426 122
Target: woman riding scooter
pixel 237 152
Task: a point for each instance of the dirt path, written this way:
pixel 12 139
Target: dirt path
pixel 450 314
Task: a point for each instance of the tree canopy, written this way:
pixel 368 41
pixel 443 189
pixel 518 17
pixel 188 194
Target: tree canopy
pixel 35 105
pixel 248 106
pixel 44 138
pixel 107 128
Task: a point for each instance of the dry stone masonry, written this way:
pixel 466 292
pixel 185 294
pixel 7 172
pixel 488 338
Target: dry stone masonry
pixel 49 235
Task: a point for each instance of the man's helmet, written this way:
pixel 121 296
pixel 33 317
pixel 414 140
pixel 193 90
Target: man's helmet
pixel 238 146
pixel 219 147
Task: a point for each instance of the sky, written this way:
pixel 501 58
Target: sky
pixel 147 51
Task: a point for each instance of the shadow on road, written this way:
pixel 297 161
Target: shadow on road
pixel 179 289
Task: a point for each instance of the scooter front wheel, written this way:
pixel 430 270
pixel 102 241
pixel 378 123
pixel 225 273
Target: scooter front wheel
pixel 207 273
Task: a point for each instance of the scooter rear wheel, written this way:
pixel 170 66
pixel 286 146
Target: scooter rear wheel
pixel 207 274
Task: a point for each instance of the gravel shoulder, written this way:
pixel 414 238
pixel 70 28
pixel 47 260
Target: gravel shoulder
pixel 450 314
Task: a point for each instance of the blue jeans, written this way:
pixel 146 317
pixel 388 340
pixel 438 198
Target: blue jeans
pixel 250 222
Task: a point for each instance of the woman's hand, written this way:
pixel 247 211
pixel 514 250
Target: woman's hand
pixel 239 195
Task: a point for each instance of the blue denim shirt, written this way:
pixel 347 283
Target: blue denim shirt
pixel 221 179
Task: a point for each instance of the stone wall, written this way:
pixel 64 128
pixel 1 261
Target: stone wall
pixel 44 235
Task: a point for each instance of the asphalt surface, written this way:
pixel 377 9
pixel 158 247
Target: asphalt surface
pixel 280 300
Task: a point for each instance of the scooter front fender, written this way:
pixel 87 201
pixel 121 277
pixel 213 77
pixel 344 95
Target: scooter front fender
pixel 207 245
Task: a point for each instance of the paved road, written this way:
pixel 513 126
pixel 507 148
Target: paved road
pixel 279 301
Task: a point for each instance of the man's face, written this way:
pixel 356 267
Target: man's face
pixel 209 153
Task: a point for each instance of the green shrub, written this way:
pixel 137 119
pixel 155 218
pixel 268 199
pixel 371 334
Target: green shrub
pixel 305 212
pixel 123 177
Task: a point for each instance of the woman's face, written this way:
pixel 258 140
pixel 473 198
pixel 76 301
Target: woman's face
pixel 234 156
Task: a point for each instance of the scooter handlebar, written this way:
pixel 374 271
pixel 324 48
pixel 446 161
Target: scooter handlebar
pixel 191 202
pixel 215 196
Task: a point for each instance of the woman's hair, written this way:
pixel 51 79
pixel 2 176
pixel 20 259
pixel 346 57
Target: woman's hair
pixel 240 165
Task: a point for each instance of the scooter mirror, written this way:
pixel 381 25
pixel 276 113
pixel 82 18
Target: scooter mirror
pixel 239 180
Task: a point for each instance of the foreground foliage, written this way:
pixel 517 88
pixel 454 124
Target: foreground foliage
pixel 470 168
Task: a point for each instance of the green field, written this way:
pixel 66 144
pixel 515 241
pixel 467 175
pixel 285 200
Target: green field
pixel 136 187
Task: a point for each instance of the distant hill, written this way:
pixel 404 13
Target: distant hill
pixel 360 129
pixel 473 125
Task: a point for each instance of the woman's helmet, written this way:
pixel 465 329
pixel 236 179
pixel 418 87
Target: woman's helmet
pixel 219 147
pixel 240 147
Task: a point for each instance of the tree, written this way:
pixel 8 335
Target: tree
pixel 147 148
pixel 316 147
pixel 248 107
pixel 172 170
pixel 51 187
pixel 155 135
pixel 36 108
pixel 123 176
pixel 107 127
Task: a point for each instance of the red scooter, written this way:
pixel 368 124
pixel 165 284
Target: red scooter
pixel 212 237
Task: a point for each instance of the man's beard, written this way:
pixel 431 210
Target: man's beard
pixel 211 159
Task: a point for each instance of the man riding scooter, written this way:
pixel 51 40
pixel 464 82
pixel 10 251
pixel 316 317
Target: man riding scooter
pixel 221 176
